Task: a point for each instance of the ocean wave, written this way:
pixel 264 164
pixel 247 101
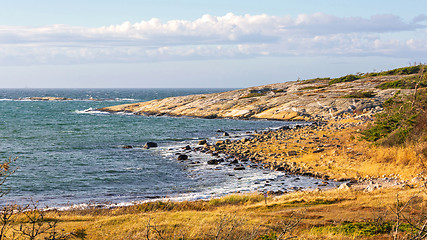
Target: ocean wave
pixel 90 111
pixel 95 111
pixel 108 99
pixel 126 99
pixel 58 99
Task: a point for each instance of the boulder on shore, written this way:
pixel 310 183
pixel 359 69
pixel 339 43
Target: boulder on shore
pixel 182 157
pixel 292 153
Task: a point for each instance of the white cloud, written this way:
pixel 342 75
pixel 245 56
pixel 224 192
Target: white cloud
pixel 228 36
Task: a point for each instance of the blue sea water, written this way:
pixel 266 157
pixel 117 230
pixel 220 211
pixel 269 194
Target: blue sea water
pixel 68 154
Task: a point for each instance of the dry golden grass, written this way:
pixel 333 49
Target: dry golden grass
pixel 322 211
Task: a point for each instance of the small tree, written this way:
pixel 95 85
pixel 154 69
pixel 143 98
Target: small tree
pixel 5 171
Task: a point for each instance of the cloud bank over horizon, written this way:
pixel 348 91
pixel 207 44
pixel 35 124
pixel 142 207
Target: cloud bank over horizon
pixel 215 37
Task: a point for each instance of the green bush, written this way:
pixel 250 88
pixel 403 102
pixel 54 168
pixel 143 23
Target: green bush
pixel 403 119
pixel 362 228
pixel 398 71
pixel 253 94
pixel 404 83
pixel 347 78
pixel 315 80
pixel 236 199
pixel 313 87
pixel 360 94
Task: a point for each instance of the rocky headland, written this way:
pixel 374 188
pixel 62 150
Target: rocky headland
pixel 309 100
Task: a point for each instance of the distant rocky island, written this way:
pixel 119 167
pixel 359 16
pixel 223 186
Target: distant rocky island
pixel 59 99
pixel 47 99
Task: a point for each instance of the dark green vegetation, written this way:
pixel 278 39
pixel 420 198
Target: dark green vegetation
pixel 313 87
pixel 347 78
pixel 358 228
pixel 404 83
pixel 253 94
pixel 359 94
pixel 404 119
pixel 398 71
pixel 315 80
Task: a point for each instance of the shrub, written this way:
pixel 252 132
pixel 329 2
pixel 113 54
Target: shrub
pixel 315 80
pixel 403 119
pixel 398 71
pixel 362 228
pixel 253 94
pixel 313 87
pixel 359 94
pixel 347 78
pixel 236 199
pixel 404 83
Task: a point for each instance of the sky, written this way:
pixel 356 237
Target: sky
pixel 203 44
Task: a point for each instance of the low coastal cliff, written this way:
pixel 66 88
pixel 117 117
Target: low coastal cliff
pixel 309 100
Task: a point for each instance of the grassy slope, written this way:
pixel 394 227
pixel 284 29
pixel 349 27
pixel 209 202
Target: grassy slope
pixel 333 214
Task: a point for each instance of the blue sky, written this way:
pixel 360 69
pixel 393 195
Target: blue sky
pixel 165 43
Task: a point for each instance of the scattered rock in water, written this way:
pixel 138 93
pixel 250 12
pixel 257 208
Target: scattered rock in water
pixel 202 142
pixel 235 161
pixel 213 162
pixel 150 145
pixel 187 147
pixel 239 168
pixel 182 157
pixel 127 147
pixel 226 134
pixel 284 128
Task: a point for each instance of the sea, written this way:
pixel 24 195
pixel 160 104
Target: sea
pixel 71 155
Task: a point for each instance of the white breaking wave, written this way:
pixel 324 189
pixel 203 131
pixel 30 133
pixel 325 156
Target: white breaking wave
pixel 95 111
pixel 125 99
pixel 90 111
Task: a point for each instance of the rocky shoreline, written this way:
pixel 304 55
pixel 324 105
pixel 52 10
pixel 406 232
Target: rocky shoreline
pixel 324 149
pixel 287 148
pixel 291 144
